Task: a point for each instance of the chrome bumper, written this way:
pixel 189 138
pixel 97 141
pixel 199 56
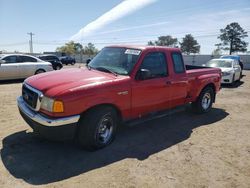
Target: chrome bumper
pixel 46 121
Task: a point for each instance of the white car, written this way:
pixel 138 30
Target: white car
pixel 230 68
pixel 17 66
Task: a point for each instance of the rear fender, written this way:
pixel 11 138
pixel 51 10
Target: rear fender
pixel 203 81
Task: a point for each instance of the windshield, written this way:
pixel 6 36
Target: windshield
pixel 219 63
pixel 118 60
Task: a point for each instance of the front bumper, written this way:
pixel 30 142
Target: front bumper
pixel 50 128
pixel 227 79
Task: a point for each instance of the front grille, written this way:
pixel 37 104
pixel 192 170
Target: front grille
pixel 29 96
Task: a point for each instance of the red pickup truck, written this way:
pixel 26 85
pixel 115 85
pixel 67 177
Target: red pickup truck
pixel 122 83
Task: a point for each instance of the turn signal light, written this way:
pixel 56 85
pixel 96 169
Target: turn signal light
pixel 58 106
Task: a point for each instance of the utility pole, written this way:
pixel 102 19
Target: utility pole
pixel 31 42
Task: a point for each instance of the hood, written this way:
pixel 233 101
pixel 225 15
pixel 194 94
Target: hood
pixel 55 82
pixel 226 69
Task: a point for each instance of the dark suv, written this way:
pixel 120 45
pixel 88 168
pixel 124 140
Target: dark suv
pixel 53 59
pixel 68 60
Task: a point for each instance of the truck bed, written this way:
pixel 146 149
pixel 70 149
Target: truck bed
pixel 200 70
pixel 192 67
pixel 197 74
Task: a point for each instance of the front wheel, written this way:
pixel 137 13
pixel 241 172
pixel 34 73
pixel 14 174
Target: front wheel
pixel 58 67
pixel 97 128
pixel 205 100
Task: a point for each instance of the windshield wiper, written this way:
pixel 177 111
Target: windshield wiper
pixel 106 70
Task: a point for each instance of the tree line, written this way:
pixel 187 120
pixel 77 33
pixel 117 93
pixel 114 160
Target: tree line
pixel 71 48
pixel 231 37
pixel 231 40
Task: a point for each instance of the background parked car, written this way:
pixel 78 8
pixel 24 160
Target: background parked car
pixel 53 59
pixel 67 60
pixel 16 66
pixel 235 57
pixel 230 68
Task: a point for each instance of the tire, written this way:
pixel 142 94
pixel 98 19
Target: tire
pixel 204 102
pixel 58 67
pixel 97 128
pixel 39 71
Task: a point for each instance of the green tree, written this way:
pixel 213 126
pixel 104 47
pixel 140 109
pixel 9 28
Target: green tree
pixel 151 43
pixel 189 45
pixel 90 49
pixel 165 41
pixel 218 50
pixel 232 38
pixel 70 48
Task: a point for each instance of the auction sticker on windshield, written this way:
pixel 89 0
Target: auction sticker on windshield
pixel 132 52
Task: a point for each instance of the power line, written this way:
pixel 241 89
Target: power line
pixel 145 38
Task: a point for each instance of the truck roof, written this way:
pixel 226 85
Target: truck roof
pixel 144 47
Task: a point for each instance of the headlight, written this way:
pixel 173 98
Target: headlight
pixel 226 73
pixel 51 105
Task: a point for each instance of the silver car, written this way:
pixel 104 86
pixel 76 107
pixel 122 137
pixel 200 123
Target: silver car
pixel 17 66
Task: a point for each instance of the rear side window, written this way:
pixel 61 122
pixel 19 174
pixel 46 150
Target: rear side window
pixel 28 59
pixel 156 63
pixel 43 58
pixel 178 63
pixel 53 58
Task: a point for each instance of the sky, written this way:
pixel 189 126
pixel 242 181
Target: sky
pixel 106 22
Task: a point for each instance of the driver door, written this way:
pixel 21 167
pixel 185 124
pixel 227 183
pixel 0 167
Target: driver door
pixel 153 93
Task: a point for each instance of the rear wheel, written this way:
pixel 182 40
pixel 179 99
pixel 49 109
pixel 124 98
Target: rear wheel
pixel 205 100
pixel 39 71
pixel 97 128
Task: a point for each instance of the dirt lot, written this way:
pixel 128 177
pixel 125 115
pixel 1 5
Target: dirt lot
pixel 181 150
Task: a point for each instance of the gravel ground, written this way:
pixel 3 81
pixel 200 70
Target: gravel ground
pixel 181 150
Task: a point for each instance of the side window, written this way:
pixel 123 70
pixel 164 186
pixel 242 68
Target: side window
pixel 10 59
pixel 28 59
pixel 155 62
pixel 178 63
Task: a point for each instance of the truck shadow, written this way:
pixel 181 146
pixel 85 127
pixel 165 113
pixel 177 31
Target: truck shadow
pixel 7 82
pixel 39 162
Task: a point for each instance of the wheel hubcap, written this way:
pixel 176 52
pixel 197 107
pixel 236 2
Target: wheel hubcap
pixel 105 129
pixel 206 100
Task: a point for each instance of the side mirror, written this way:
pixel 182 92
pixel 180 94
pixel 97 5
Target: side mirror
pixel 88 61
pixel 143 74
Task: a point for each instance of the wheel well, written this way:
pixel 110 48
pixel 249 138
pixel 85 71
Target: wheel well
pixel 39 70
pixel 119 114
pixel 211 85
